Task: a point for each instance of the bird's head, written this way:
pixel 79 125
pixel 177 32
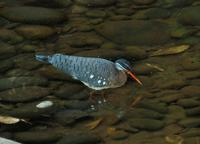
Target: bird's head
pixel 124 65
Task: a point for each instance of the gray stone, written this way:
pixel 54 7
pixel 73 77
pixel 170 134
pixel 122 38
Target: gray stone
pixel 124 11
pixel 146 124
pixel 171 98
pixel 69 90
pixel 79 138
pixel 32 15
pixel 102 53
pixel 95 3
pixel 193 111
pixel 144 113
pixel 143 2
pixel 192 132
pixel 155 106
pixel 135 52
pixel 83 39
pixel 35 31
pixel 63 3
pixel 173 84
pixel 188 102
pixel 95 14
pixel 77 105
pixel 13 82
pixel 67 117
pixel 23 94
pixel 135 32
pixel 42 136
pixel 191 91
pixel 6 65
pixel 10 36
pixel 190 122
pixel 6 50
pixel 190 16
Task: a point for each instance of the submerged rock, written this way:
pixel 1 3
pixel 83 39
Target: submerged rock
pixel 42 136
pixel 32 15
pixel 10 36
pixel 143 2
pixel 13 82
pixel 95 3
pixel 23 94
pixel 135 32
pixel 67 117
pixel 190 15
pixel 146 124
pixel 6 50
pixel 35 31
pixel 79 138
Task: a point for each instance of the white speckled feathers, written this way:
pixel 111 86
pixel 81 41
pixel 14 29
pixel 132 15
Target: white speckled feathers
pixel 95 73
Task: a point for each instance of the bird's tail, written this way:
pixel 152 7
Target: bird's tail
pixel 43 58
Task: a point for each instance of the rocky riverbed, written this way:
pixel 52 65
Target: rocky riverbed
pixel 161 39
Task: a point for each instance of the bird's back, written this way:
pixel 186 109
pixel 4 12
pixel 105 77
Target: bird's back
pixel 96 73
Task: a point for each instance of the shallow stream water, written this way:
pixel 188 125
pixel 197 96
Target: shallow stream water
pixel 160 38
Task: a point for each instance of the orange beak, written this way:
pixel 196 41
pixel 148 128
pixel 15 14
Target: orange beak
pixel 134 77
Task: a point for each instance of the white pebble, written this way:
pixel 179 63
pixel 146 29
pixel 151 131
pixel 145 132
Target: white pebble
pixel 100 102
pixel 44 104
pixel 104 83
pixel 99 81
pixel 91 76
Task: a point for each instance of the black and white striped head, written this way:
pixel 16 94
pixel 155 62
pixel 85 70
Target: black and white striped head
pixel 124 65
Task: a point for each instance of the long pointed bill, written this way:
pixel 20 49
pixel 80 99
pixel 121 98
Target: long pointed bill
pixel 134 77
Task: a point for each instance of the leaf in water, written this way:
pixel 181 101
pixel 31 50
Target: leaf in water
pixel 174 139
pixel 9 120
pixel 170 50
pixel 155 67
pixel 94 124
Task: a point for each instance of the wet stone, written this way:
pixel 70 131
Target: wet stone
pixel 82 39
pixel 188 102
pixel 45 136
pixel 193 111
pixel 190 75
pixel 32 15
pixel 192 132
pixel 171 98
pixel 67 117
pixel 95 14
pixel 143 2
pixel 174 84
pixel 102 53
pixel 79 138
pixel 18 73
pixel 6 50
pixel 190 122
pixel 144 113
pixel 155 106
pixel 68 90
pixel 191 91
pixel 96 3
pixel 10 36
pixel 13 82
pixel 175 114
pixel 121 32
pixel 189 15
pixel 152 13
pixel 135 52
pixel 35 31
pixel 63 3
pixel 124 11
pixel 6 65
pixel 146 124
pixel 23 94
pixel 77 105
pixel 191 140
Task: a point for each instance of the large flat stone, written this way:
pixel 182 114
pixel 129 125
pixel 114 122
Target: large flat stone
pixel 135 32
pixel 32 15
